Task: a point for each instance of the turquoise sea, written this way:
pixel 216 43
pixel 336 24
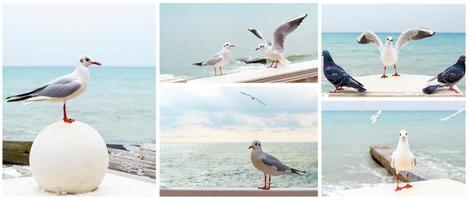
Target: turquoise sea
pixel 347 136
pixel 119 103
pixel 228 165
pixel 191 33
pixel 428 56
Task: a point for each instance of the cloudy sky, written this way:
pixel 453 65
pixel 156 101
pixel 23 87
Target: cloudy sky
pixel 403 105
pixel 58 34
pixel 392 18
pixel 214 113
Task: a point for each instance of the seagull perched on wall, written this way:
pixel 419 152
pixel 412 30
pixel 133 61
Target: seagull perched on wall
pixel 218 60
pixel 389 53
pixel 60 89
pixel 253 98
pixel 402 159
pixel 268 164
pixel 274 50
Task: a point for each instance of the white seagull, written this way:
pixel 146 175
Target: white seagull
pixel 268 164
pixel 375 117
pixel 274 51
pixel 62 88
pixel 453 115
pixel 402 159
pixel 253 98
pixel 218 60
pixel 389 52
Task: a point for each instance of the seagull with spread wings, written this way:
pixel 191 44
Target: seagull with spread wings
pixel 253 98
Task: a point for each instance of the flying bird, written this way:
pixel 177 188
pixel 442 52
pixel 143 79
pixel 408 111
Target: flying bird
pixel 253 98
pixel 389 52
pixel 62 88
pixel 402 159
pixel 268 164
pixel 450 77
pixel 453 115
pixel 218 60
pixel 337 76
pixel 375 117
pixel 274 50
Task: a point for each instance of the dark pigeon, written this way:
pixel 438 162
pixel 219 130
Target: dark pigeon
pixel 449 77
pixel 337 76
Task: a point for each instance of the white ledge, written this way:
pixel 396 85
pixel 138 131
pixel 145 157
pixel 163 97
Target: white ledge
pixel 406 85
pixel 239 192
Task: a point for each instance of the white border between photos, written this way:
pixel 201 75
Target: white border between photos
pixel 318 85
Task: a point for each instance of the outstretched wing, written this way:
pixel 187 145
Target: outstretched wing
pixel 283 30
pixel 412 34
pixel 370 37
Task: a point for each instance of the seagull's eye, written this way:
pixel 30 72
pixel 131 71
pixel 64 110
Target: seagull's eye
pixel 87 59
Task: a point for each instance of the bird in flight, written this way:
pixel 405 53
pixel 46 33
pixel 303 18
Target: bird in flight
pixel 253 98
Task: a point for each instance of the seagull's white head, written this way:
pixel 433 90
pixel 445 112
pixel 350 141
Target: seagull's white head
pixel 389 39
pixel 261 46
pixel 87 61
pixel 228 45
pixel 255 145
pixel 403 136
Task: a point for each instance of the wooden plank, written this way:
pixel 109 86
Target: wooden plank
pixel 239 192
pixel 382 155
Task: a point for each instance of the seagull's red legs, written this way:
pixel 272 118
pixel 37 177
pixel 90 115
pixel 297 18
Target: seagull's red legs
pixel 66 119
pixel 408 185
pixel 384 73
pixel 269 182
pixel 397 184
pixel 395 72
pixel 265 185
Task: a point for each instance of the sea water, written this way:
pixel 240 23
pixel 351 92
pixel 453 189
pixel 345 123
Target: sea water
pixel 228 165
pixel 347 137
pixel 119 103
pixel 428 56
pixel 191 33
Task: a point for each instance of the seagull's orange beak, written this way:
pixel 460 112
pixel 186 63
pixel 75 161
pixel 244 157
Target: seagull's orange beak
pixel 96 63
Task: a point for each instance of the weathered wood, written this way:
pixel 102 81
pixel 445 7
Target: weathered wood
pixel 239 192
pixel 16 152
pixel 134 159
pixel 382 155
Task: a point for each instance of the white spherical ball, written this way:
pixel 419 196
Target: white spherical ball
pixel 69 158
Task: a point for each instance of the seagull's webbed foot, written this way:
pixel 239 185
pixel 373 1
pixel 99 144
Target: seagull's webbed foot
pixel 384 76
pixel 407 186
pixel 398 189
pixel 68 120
pixel 396 74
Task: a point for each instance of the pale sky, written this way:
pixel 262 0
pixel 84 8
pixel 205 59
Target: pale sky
pixel 215 113
pixel 407 105
pixel 392 18
pixel 58 34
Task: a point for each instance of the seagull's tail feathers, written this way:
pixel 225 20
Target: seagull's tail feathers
pixel 18 98
pixel 284 61
pixel 296 171
pixel 430 89
pixel 198 64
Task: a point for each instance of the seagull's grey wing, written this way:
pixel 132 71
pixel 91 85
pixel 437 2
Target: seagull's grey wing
pixel 370 37
pixel 213 60
pixel 246 94
pixel 256 33
pixel 269 160
pixel 60 88
pixel 258 100
pixel 283 30
pixel 412 34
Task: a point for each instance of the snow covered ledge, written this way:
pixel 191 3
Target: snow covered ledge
pixel 435 187
pixel 406 85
